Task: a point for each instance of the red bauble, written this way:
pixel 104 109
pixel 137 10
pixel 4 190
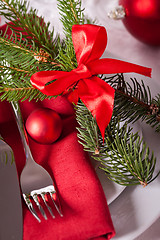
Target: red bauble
pixel 142 19
pixel 44 125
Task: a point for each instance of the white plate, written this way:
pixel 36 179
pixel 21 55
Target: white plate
pixel 137 208
pixel 111 189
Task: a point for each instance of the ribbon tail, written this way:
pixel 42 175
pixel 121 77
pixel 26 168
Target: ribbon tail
pixel 98 97
pixel 53 83
pixel 111 66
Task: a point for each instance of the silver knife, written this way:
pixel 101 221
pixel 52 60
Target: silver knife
pixel 11 221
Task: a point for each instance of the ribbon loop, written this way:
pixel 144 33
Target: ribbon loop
pixel 89 42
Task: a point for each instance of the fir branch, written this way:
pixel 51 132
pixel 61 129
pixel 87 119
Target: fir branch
pixel 15 51
pixel 133 101
pixel 126 160
pixel 31 26
pixel 21 94
pixel 67 57
pixel 12 42
pixel 18 62
pixel 12 68
pixel 124 156
pixel 20 47
pixel 71 13
pixel 31 48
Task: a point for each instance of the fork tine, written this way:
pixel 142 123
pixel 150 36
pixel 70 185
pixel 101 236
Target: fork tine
pixel 30 206
pixel 34 213
pixel 35 198
pixel 57 208
pixel 48 207
pixel 51 190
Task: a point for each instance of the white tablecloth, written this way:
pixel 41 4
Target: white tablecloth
pixel 121 45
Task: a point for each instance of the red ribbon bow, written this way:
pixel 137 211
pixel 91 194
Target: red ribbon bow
pixel 89 43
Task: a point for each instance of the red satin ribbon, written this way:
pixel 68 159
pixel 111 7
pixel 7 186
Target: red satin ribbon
pixel 89 43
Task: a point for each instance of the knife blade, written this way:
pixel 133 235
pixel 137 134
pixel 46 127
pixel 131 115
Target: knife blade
pixel 11 221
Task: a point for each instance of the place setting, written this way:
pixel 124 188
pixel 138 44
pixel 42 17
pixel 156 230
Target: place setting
pixel 79 120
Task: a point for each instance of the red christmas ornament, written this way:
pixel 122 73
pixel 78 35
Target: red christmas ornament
pixel 142 19
pixel 44 125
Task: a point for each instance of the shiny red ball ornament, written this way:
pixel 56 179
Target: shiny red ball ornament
pixel 142 19
pixel 44 125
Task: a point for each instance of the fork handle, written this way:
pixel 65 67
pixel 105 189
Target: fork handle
pixel 20 125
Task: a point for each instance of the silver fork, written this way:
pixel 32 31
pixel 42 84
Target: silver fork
pixel 36 183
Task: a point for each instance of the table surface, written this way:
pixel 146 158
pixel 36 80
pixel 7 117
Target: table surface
pixel 121 45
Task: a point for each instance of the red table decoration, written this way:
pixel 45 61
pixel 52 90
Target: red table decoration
pixel 84 206
pixel 142 19
pixel 44 125
pixel 89 43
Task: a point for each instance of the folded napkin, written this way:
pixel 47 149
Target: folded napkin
pixel 86 214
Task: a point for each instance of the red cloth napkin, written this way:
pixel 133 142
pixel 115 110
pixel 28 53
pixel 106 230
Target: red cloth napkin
pixel 86 214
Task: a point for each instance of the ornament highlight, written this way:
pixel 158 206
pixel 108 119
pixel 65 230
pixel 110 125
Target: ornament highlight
pixel 117 13
pixel 141 18
pixel 44 125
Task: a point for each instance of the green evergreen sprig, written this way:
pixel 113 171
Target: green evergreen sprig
pixel 71 13
pixel 133 101
pixel 32 27
pixel 124 157
pixel 32 47
pixel 30 41
pixel 17 64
